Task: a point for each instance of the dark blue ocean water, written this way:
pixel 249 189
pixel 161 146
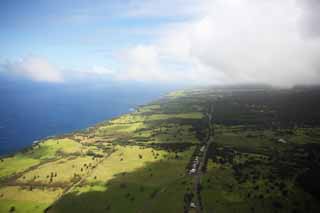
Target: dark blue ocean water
pixel 31 111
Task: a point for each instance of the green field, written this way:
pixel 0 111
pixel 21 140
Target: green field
pixel 26 200
pixel 131 186
pixel 17 163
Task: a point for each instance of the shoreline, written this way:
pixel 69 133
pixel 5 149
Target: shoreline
pixel 56 136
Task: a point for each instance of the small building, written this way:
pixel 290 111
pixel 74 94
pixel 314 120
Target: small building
pixel 193 205
pixel 281 140
pixel 192 171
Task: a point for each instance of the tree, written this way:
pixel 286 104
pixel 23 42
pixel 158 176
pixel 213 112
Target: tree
pixel 12 209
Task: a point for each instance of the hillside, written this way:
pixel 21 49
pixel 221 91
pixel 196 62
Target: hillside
pixel 204 150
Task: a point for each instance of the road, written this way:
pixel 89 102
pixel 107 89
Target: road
pixel 202 161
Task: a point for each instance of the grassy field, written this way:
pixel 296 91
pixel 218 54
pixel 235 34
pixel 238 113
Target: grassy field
pixel 135 185
pixel 124 160
pixel 25 200
pixel 17 163
pixel 49 148
pixel 59 171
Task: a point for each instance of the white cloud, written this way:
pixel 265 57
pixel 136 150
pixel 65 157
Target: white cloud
pixel 36 68
pixel 41 70
pixel 96 71
pixel 230 41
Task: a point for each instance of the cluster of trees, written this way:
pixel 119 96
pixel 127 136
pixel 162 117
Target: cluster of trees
pixel 94 154
pixel 268 108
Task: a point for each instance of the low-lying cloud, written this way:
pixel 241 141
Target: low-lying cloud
pixel 40 69
pixel 233 41
pixel 35 68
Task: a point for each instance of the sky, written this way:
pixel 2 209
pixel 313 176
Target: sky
pixel 191 42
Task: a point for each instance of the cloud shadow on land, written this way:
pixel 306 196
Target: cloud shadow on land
pixel 157 187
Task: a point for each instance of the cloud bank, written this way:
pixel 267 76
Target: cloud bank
pixel 35 68
pixel 232 41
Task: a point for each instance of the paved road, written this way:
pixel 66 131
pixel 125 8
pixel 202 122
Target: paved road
pixel 202 158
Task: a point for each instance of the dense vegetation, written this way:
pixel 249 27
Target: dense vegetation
pixel 260 151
